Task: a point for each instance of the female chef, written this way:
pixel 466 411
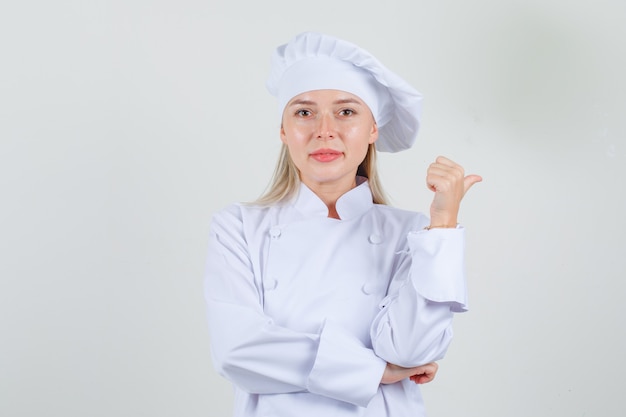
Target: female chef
pixel 323 300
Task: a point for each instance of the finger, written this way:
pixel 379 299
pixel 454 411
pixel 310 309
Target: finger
pixel 427 380
pixel 439 174
pixel 422 378
pixel 471 180
pixel 445 161
pixel 443 173
pixel 446 169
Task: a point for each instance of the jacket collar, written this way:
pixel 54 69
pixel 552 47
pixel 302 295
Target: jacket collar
pixel 351 205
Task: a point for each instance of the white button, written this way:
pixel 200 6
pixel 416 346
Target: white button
pixel 368 288
pixel 375 239
pixel 275 232
pixel 270 284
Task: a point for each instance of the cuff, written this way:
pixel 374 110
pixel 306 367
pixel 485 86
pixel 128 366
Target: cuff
pixel 438 266
pixel 344 368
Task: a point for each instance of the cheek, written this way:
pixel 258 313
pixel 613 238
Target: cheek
pixel 363 137
pixel 294 143
pixel 293 135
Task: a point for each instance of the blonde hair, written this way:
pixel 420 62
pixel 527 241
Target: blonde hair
pixel 286 179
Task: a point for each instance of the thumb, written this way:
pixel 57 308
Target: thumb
pixel 471 180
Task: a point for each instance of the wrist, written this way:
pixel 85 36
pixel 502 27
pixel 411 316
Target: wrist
pixel 441 226
pixel 442 221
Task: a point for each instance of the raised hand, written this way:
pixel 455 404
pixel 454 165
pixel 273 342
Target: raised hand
pixel 447 180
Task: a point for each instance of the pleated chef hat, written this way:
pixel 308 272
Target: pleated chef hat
pixel 314 61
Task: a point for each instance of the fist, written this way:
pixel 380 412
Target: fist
pixel 448 181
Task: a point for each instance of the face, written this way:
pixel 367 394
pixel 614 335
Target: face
pixel 328 133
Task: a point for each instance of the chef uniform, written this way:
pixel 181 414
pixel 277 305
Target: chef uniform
pixel 304 310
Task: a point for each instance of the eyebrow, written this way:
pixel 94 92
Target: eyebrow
pixel 348 101
pixel 303 102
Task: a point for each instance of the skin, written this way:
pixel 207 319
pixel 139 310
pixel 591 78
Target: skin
pixel 419 374
pixel 329 120
pixel 448 181
pixel 327 133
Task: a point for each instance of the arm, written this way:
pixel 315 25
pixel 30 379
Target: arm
pixel 262 357
pixel 414 325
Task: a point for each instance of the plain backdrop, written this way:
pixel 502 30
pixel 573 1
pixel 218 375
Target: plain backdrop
pixel 125 124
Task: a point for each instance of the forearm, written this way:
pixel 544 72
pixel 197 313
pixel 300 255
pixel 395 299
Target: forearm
pixel 263 358
pixel 411 331
pixel 257 355
pixel 414 324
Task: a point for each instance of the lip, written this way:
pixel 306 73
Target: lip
pixel 325 155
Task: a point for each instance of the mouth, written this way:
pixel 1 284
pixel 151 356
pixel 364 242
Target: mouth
pixel 325 155
pixel 325 152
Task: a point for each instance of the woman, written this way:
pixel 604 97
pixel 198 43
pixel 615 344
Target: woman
pixel 322 300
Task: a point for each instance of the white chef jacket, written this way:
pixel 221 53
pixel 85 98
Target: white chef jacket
pixel 305 310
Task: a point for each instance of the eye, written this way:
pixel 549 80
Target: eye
pixel 303 112
pixel 347 112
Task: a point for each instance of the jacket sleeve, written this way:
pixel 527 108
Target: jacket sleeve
pixel 260 357
pixel 414 325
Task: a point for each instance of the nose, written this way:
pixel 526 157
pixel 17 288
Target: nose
pixel 326 127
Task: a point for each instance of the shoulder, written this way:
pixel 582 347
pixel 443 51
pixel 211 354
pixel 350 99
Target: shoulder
pixel 242 216
pixel 406 219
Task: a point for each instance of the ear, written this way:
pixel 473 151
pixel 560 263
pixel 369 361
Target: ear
pixel 283 136
pixel 374 133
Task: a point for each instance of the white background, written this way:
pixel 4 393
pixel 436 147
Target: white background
pixel 125 124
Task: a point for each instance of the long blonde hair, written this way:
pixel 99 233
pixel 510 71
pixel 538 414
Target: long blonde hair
pixel 286 179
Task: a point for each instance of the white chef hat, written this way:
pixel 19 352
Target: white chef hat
pixel 314 61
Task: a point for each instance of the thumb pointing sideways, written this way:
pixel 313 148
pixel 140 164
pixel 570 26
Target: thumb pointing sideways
pixel 470 180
